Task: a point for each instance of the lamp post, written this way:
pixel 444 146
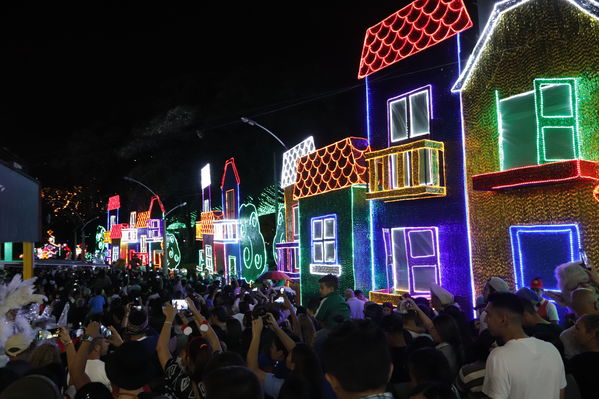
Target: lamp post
pixel 252 122
pixel 83 228
pixel 164 266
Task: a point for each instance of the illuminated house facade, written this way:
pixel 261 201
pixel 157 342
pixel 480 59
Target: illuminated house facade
pixel 530 94
pixel 332 216
pixel 415 178
pixel 288 248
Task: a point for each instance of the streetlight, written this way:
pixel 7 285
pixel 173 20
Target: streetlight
pixel 164 260
pixel 178 206
pixel 83 228
pixel 254 123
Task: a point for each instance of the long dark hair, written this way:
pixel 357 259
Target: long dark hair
pixel 199 354
pixel 308 366
pixel 449 332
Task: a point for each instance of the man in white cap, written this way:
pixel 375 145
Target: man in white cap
pixel 17 349
pixel 440 297
pixel 494 284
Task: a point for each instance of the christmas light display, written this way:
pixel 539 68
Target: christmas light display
pixel 417 26
pixel 253 250
pixel 333 167
pixel 530 139
pixel 290 157
pixel 173 253
pixel 536 246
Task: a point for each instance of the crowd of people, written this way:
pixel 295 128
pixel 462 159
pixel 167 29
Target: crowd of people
pixel 111 333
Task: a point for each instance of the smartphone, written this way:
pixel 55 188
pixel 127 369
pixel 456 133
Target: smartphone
pixel 282 290
pixel 50 333
pixel 180 304
pixel 139 307
pixel 255 289
pixel 105 331
pixel 280 300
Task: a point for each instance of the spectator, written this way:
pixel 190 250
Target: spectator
pixel 536 326
pixel 583 366
pixel 44 355
pixel 18 349
pixel 333 309
pixel 523 367
pixel 360 295
pixel 409 317
pixel 472 375
pixel 32 386
pixel 426 365
pixel 97 302
pixel 397 339
pixel 544 308
pixel 387 308
pixel 357 361
pixel 233 382
pixel 493 285
pixel 583 301
pixel 440 297
pixel 373 311
pixel 356 306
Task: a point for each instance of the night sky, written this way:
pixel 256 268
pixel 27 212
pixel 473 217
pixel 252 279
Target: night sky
pixel 96 91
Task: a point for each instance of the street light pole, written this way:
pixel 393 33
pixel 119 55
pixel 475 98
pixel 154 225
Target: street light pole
pixel 164 266
pixel 254 123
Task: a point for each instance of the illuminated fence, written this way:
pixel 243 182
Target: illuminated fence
pixel 408 171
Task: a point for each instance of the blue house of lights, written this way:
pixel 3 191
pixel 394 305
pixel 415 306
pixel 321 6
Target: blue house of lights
pixel 416 195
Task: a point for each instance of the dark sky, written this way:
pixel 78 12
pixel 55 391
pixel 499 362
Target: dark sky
pixel 94 91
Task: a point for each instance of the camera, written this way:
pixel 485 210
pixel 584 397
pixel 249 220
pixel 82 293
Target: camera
pixel 105 331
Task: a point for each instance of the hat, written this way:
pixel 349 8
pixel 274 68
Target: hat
pixel 129 366
pixel 444 296
pixel 536 283
pixel 17 344
pixel 498 284
pixel 31 386
pixel 528 294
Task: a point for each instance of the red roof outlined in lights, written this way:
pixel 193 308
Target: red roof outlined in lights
pixel 417 26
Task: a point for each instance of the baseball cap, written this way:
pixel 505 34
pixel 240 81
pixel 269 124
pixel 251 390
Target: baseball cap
pixel 498 284
pixel 16 344
pixel 536 283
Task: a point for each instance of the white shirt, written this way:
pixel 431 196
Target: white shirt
pixel 94 368
pixel 525 368
pixel 571 347
pixel 356 308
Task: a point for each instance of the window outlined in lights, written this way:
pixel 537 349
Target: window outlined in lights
pixel 415 255
pixel 323 236
pixel 409 114
pixel 537 249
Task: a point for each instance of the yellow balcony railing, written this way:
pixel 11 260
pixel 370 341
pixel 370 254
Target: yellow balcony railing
pixel 408 171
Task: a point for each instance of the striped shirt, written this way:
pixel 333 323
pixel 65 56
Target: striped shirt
pixel 470 380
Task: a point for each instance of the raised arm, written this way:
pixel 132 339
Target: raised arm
pixel 69 347
pixel 252 356
pixel 77 371
pixel 426 321
pixel 295 325
pixel 285 339
pixel 164 355
pixel 207 332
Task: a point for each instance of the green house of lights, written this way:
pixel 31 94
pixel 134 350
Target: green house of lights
pixel 530 95
pixel 333 216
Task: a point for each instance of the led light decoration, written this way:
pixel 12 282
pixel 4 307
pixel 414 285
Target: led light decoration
pixel 229 164
pixel 101 246
pixel 538 249
pixel 279 234
pixel 401 119
pixel 114 202
pixel 290 157
pixel 253 249
pixel 551 184
pixel 323 248
pixel 205 176
pixel 409 171
pixel 129 236
pixel 589 7
pixel 173 252
pixel 419 25
pixel 556 172
pixel 116 231
pixel 142 219
pixel 154 230
pixel 333 167
pixel 206 223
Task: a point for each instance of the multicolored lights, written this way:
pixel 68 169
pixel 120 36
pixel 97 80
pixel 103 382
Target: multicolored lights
pixel 333 167
pixel 290 157
pixel 417 26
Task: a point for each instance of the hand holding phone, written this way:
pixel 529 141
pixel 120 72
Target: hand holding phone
pixel 180 304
